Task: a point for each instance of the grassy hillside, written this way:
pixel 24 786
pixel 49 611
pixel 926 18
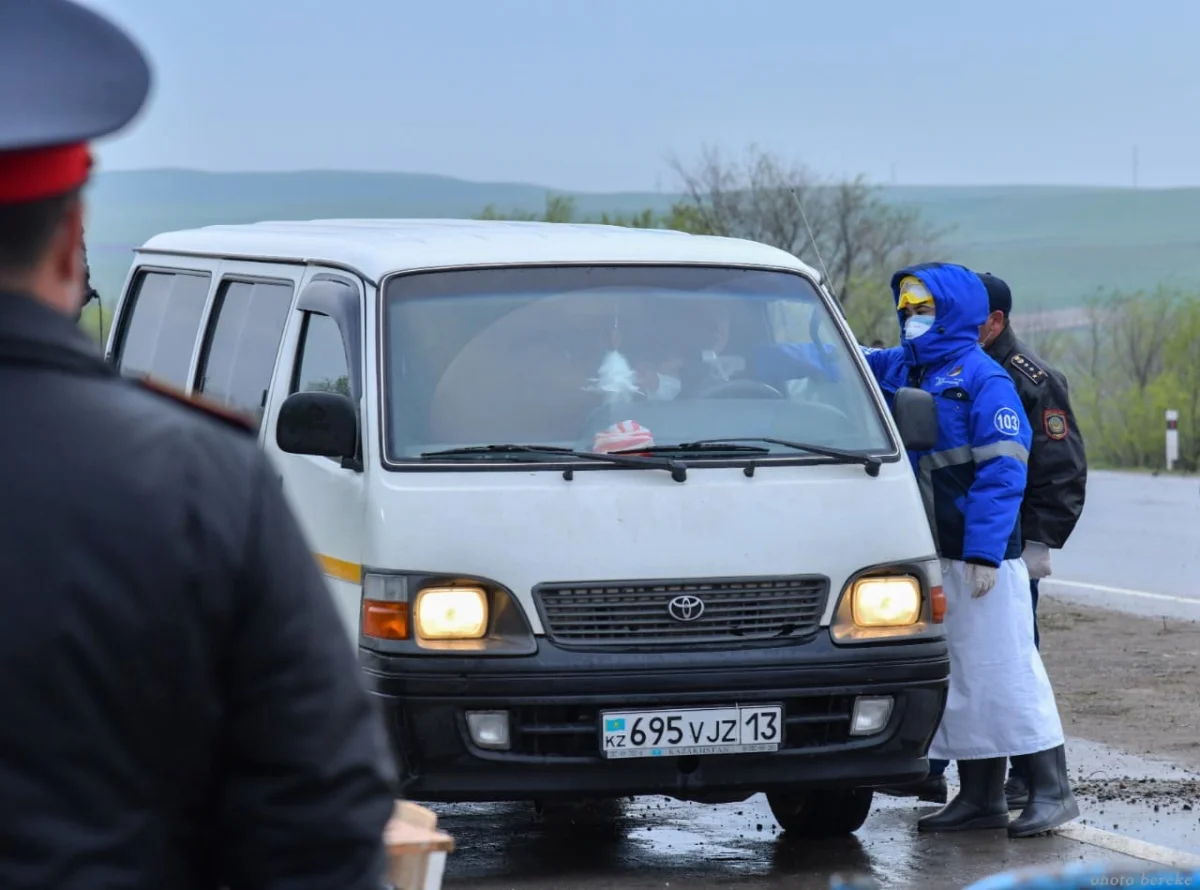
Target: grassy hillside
pixel 1057 245
pixel 1054 245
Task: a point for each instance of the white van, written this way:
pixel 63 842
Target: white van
pixel 607 511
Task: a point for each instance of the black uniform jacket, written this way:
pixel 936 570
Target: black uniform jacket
pixel 1057 483
pixel 181 705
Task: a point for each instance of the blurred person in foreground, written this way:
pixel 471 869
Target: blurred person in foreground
pixel 1000 702
pixel 182 706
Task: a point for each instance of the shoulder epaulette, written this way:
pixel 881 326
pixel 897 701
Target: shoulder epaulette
pixel 1028 368
pixel 197 403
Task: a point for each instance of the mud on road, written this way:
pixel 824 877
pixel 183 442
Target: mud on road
pixel 1130 683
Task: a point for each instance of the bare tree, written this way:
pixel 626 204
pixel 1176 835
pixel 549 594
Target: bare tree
pixel 1142 333
pixel 1049 332
pixel 1096 397
pixel 1126 361
pixel 860 237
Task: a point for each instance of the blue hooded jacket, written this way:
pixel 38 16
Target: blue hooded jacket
pixel 973 481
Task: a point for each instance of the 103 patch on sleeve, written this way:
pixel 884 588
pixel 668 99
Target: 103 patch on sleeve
pixel 1054 422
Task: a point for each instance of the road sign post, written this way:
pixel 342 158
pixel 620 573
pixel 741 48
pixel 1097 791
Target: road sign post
pixel 1172 439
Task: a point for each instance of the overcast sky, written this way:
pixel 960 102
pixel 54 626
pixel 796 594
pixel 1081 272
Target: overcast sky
pixel 595 94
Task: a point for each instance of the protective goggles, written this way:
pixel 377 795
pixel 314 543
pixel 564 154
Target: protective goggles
pixel 913 292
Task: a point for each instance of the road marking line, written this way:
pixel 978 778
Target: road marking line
pixel 1117 843
pixel 1122 591
pixel 1128 846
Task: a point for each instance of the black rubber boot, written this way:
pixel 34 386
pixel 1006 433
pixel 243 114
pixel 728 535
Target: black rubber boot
pixel 1051 802
pixel 1016 789
pixel 1016 792
pixel 931 788
pixel 979 804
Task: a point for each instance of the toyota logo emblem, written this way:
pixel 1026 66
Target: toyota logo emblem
pixel 685 608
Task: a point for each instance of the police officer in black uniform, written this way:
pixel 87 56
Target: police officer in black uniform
pixel 182 708
pixel 1054 494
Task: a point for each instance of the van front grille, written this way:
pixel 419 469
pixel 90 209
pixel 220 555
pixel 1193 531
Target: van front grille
pixel 681 613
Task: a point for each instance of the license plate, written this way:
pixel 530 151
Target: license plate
pixel 683 731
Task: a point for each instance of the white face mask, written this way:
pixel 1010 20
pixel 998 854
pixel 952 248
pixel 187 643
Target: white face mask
pixel 668 388
pixel 917 325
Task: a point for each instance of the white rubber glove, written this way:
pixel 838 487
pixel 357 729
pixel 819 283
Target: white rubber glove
pixel 980 579
pixel 1037 559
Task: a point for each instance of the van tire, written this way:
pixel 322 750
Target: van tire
pixel 822 812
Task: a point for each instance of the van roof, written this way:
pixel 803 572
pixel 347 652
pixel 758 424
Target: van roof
pixel 378 247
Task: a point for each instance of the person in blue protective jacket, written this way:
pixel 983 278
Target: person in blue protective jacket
pixel 1000 702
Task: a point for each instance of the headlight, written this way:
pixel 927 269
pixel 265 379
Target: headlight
pixel 886 602
pixel 451 613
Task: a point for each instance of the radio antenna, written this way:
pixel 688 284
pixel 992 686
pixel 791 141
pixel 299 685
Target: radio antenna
pixel 813 241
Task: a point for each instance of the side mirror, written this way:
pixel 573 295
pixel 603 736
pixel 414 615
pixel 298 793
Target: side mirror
pixel 324 424
pixel 916 416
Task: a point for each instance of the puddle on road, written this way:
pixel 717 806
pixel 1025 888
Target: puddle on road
pixel 660 843
pixel 657 842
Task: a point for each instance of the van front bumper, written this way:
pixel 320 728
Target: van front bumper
pixel 554 700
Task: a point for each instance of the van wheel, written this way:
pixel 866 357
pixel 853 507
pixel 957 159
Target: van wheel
pixel 824 812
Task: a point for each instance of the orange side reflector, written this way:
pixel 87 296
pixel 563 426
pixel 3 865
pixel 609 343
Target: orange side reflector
pixel 385 620
pixel 937 604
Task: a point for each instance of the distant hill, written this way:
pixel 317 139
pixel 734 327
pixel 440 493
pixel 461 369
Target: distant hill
pixel 1055 245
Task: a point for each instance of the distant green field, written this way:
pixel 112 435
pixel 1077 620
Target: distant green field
pixel 1055 246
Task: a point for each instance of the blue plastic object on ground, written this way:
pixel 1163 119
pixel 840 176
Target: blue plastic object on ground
pixel 1077 876
pixel 853 882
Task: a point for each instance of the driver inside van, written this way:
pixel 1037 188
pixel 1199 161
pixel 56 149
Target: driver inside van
pixel 684 350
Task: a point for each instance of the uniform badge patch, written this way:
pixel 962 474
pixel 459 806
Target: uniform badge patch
pixel 1054 422
pixel 1007 422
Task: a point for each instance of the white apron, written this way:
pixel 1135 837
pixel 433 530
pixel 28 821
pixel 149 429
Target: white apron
pixel 1001 703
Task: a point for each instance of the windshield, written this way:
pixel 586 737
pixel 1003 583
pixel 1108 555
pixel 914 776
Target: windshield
pixel 616 358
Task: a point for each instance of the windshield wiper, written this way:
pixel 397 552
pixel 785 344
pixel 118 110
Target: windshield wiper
pixel 691 447
pixel 469 450
pixel 551 452
pixel 870 461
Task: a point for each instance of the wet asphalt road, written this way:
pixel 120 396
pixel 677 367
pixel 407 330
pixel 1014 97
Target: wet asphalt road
pixel 1138 533
pixel 659 843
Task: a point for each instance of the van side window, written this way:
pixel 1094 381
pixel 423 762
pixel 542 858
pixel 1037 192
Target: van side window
pixel 321 364
pixel 160 325
pixel 243 343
